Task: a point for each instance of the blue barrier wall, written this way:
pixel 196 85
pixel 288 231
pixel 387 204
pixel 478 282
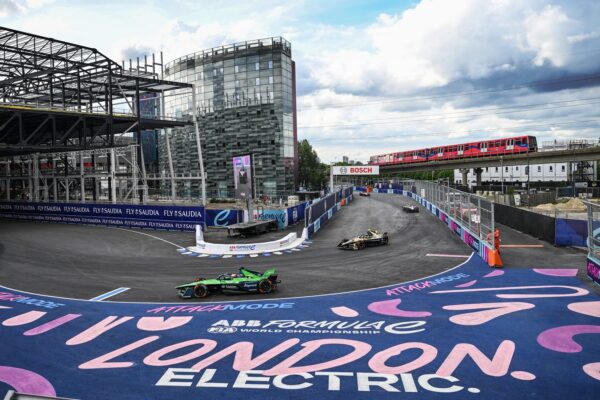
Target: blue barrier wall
pixel 570 232
pixel 122 215
pixel 323 210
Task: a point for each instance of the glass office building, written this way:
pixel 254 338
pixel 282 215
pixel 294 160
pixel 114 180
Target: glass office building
pixel 245 96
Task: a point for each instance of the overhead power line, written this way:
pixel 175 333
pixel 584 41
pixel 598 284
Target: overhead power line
pixel 452 94
pixel 464 114
pixel 482 133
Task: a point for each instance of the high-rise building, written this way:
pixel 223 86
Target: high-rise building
pixel 246 100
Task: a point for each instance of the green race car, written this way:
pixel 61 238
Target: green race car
pixel 246 281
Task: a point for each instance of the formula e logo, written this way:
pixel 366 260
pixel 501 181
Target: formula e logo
pixel 222 329
pixel 222 218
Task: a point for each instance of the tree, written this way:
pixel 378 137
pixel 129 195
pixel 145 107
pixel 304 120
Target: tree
pixel 312 173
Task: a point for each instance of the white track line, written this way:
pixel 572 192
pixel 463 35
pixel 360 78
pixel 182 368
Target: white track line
pixel 149 235
pixel 446 255
pixel 110 294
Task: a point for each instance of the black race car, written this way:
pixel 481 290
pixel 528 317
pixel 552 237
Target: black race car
pixel 364 194
pixel 410 209
pixel 372 238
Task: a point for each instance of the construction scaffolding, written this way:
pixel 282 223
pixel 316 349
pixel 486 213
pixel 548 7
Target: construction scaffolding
pixel 58 97
pixel 98 175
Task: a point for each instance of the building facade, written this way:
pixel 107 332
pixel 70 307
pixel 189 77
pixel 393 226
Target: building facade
pixel 245 98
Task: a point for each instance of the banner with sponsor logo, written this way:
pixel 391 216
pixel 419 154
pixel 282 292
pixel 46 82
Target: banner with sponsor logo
pixel 242 176
pixel 296 213
pixel 356 170
pixel 281 216
pixel 468 333
pixel 593 269
pixel 121 215
pixel 222 218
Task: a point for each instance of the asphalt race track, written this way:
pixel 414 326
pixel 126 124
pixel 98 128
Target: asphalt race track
pixel 85 261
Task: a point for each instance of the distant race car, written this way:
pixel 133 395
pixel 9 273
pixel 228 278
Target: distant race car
pixel 364 194
pixel 410 209
pixel 372 238
pixel 246 281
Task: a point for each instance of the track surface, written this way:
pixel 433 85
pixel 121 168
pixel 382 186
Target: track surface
pixel 85 261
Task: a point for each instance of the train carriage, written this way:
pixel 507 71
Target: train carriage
pixel 485 148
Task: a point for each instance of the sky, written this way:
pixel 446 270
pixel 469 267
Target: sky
pixel 377 76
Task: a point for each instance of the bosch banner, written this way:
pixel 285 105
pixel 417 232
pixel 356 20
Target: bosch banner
pixel 242 176
pixel 122 215
pixel 356 170
pixel 466 334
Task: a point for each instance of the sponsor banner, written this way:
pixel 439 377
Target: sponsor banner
pixel 593 269
pixel 223 217
pixel 281 216
pixel 242 176
pixel 356 170
pixel 468 333
pixel 125 215
pixel 296 213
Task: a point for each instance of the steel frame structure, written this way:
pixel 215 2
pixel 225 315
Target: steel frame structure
pixel 61 96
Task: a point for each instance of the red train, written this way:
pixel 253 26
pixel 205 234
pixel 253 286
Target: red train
pixel 512 145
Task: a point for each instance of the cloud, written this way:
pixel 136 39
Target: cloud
pixel 12 7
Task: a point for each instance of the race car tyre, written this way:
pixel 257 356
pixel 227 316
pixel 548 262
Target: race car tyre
pixel 361 245
pixel 200 291
pixel 386 240
pixel 265 286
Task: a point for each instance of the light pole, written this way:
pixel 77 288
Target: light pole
pixel 501 175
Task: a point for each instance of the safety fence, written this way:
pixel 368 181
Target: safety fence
pixel 593 241
pixel 322 210
pixel 529 222
pixel 469 216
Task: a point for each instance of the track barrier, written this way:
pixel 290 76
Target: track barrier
pixel 319 212
pixel 288 242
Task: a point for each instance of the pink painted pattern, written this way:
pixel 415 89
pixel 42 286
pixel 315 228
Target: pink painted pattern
pixel 565 272
pixel 591 308
pixel 489 311
pixel 390 307
pixel 494 273
pixel 561 339
pixel 467 284
pixel 51 325
pixel 593 370
pixel 25 381
pixel 344 311
pixel 522 375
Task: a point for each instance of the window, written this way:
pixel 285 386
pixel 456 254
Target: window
pixel 236 69
pixel 505 169
pixel 270 64
pixel 550 168
pixel 517 168
pixel 214 72
pixel 270 80
pixel 256 66
pixel 273 112
pixel 539 168
pixel 272 141
pixel 496 169
pixel 272 162
pixel 562 168
pixel 257 81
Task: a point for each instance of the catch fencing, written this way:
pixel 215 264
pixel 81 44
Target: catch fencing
pixel 474 212
pixel 593 241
